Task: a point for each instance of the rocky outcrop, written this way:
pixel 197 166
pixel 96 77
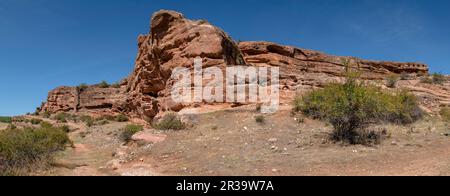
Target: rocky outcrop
pixel 312 68
pixel 174 41
pixel 61 99
pixel 88 99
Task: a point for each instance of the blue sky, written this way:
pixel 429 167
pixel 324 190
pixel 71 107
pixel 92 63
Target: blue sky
pixel 49 43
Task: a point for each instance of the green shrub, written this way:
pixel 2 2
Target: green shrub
pixel 352 106
pixel 260 119
pixel 35 121
pixel 65 128
pixel 45 124
pixel 6 119
pixel 438 78
pixel 445 114
pixel 82 87
pixel 89 121
pixel 62 117
pixel 103 84
pixel 129 131
pixel 122 118
pixel 21 150
pixel 169 122
pixel 391 81
pixel 46 114
pixel 435 78
pixel 85 118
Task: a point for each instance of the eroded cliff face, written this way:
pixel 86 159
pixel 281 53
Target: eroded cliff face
pixel 299 61
pixel 174 41
pixel 92 99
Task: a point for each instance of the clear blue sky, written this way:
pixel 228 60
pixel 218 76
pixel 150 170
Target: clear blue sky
pixel 49 43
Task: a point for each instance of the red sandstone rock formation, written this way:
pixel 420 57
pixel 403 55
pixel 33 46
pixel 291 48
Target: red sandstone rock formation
pixel 92 99
pixel 175 41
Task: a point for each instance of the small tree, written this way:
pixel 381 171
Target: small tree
pixel 82 87
pixel 129 131
pixel 169 122
pixel 352 106
pixel 103 84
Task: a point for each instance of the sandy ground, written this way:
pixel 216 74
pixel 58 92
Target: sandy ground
pixel 232 143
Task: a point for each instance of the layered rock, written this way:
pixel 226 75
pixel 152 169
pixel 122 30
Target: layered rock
pixel 312 68
pixel 61 99
pixel 89 99
pixel 174 41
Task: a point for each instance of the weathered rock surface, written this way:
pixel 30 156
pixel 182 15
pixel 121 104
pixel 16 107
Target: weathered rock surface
pixel 174 41
pixel 90 99
pixel 312 68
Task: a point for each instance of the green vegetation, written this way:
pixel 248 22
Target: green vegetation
pixel 121 118
pixel 445 114
pixel 169 122
pixel 6 119
pixel 103 84
pixel 22 150
pixel 438 78
pixel 391 81
pixel 352 106
pixel 35 121
pixel 88 120
pixel 435 78
pixel 62 117
pixel 260 119
pixel 82 87
pixel 65 128
pixel 46 114
pixel 129 131
pixel 116 85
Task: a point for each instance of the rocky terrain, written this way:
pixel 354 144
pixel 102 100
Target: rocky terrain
pixel 228 139
pixel 174 41
pixel 282 145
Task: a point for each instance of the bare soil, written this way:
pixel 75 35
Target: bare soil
pixel 231 142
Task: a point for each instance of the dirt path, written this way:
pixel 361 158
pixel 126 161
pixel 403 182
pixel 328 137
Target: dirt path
pixel 232 143
pixel 89 155
pixel 430 161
